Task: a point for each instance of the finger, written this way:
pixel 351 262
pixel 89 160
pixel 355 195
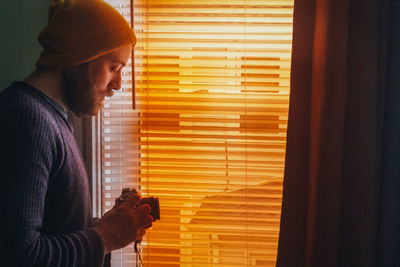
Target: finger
pixel 140 233
pixel 143 209
pixel 133 199
pixel 148 222
pixel 132 190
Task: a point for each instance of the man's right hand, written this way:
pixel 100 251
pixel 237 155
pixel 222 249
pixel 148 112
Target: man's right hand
pixel 124 223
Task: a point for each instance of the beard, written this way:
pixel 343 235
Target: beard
pixel 79 90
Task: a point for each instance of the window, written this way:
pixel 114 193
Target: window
pixel 208 133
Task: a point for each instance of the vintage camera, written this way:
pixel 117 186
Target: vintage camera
pixel 152 201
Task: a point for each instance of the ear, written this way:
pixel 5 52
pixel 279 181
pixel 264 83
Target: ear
pixel 55 5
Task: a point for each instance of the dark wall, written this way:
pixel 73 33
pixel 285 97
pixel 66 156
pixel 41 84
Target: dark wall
pixel 20 23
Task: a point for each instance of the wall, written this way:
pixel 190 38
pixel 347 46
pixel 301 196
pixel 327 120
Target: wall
pixel 20 23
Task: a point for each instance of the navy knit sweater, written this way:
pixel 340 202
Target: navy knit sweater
pixel 45 199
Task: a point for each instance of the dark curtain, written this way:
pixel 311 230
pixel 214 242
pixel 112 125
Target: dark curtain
pixel 341 198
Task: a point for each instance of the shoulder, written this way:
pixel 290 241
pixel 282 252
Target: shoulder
pixel 29 129
pixel 22 107
pixel 26 118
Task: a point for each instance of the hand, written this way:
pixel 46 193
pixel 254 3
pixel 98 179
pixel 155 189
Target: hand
pixel 124 223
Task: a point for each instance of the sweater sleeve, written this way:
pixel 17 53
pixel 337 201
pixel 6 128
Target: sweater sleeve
pixel 27 160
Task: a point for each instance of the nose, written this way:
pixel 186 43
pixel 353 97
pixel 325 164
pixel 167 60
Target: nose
pixel 116 82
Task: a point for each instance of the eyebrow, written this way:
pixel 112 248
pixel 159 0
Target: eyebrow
pixel 120 62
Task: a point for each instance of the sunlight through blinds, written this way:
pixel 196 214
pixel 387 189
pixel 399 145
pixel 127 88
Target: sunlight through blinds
pixel 212 88
pixel 209 130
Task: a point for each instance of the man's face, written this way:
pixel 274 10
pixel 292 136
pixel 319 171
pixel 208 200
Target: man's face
pixel 85 86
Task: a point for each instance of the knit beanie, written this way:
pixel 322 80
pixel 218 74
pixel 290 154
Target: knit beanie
pixel 80 31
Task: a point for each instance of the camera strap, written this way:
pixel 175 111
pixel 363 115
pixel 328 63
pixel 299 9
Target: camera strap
pixel 139 261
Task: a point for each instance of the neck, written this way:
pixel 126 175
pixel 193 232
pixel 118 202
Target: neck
pixel 48 82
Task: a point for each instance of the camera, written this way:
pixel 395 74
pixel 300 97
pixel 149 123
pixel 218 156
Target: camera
pixel 152 201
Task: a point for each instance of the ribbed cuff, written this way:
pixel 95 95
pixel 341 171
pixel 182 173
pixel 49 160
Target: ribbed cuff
pixel 97 247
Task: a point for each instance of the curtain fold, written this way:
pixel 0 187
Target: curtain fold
pixel 341 199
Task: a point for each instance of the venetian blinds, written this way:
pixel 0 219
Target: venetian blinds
pixel 118 148
pixel 208 133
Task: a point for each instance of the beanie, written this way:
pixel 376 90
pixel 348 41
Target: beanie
pixel 80 31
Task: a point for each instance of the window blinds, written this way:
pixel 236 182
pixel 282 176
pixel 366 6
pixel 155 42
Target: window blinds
pixel 118 148
pixel 208 133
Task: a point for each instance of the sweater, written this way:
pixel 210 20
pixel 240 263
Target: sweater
pixel 44 189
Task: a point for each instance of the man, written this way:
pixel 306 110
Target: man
pixel 45 201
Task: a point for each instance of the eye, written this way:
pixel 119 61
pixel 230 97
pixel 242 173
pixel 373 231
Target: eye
pixel 114 68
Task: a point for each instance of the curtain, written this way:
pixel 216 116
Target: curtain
pixel 341 198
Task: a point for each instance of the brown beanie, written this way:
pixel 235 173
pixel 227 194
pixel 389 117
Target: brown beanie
pixel 81 30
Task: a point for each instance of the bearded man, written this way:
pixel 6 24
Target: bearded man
pixel 44 185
